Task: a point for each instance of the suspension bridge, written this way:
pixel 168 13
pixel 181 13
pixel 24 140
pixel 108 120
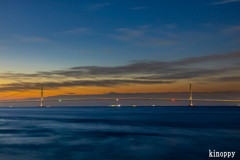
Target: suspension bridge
pixel 190 99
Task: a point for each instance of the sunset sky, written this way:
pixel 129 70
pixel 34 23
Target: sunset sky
pixel 128 46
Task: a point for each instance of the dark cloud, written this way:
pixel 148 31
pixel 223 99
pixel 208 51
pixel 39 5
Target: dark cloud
pixel 155 67
pixel 228 79
pixel 137 72
pixel 51 85
pixel 136 67
pixel 190 73
pixel 225 56
pixel 184 74
pixel 21 86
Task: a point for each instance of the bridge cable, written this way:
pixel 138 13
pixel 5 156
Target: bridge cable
pixel 170 90
pixel 177 88
pixel 19 92
pixel 58 90
pixel 216 93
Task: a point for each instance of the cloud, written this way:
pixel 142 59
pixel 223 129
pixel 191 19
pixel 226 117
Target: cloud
pixel 95 7
pixel 19 86
pixel 139 8
pixel 137 72
pixel 169 34
pixel 21 38
pixel 77 31
pixel 225 2
pixel 225 56
pixel 178 69
pixel 182 48
pixel 227 79
pixel 142 36
pixel 99 83
pixel 232 30
pixel 186 74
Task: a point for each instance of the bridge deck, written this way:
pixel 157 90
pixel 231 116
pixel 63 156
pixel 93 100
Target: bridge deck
pixel 90 99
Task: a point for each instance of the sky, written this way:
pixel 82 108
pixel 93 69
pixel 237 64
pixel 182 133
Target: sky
pixel 80 47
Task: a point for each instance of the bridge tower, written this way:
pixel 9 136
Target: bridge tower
pixel 41 95
pixel 191 104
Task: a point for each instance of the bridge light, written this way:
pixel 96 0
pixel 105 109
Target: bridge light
pixel 173 100
pixel 59 100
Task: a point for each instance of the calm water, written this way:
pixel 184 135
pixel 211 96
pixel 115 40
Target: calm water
pixel 89 133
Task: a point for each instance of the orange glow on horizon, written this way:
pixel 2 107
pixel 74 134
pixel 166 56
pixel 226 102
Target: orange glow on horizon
pixel 160 88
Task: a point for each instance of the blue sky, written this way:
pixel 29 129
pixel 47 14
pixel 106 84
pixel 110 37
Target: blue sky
pixel 55 36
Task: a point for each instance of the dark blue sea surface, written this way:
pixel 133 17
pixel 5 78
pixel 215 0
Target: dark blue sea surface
pixel 114 133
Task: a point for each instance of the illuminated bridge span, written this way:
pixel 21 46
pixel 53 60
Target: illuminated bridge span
pixel 137 98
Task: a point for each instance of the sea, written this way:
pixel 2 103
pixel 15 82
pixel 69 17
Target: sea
pixel 118 133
